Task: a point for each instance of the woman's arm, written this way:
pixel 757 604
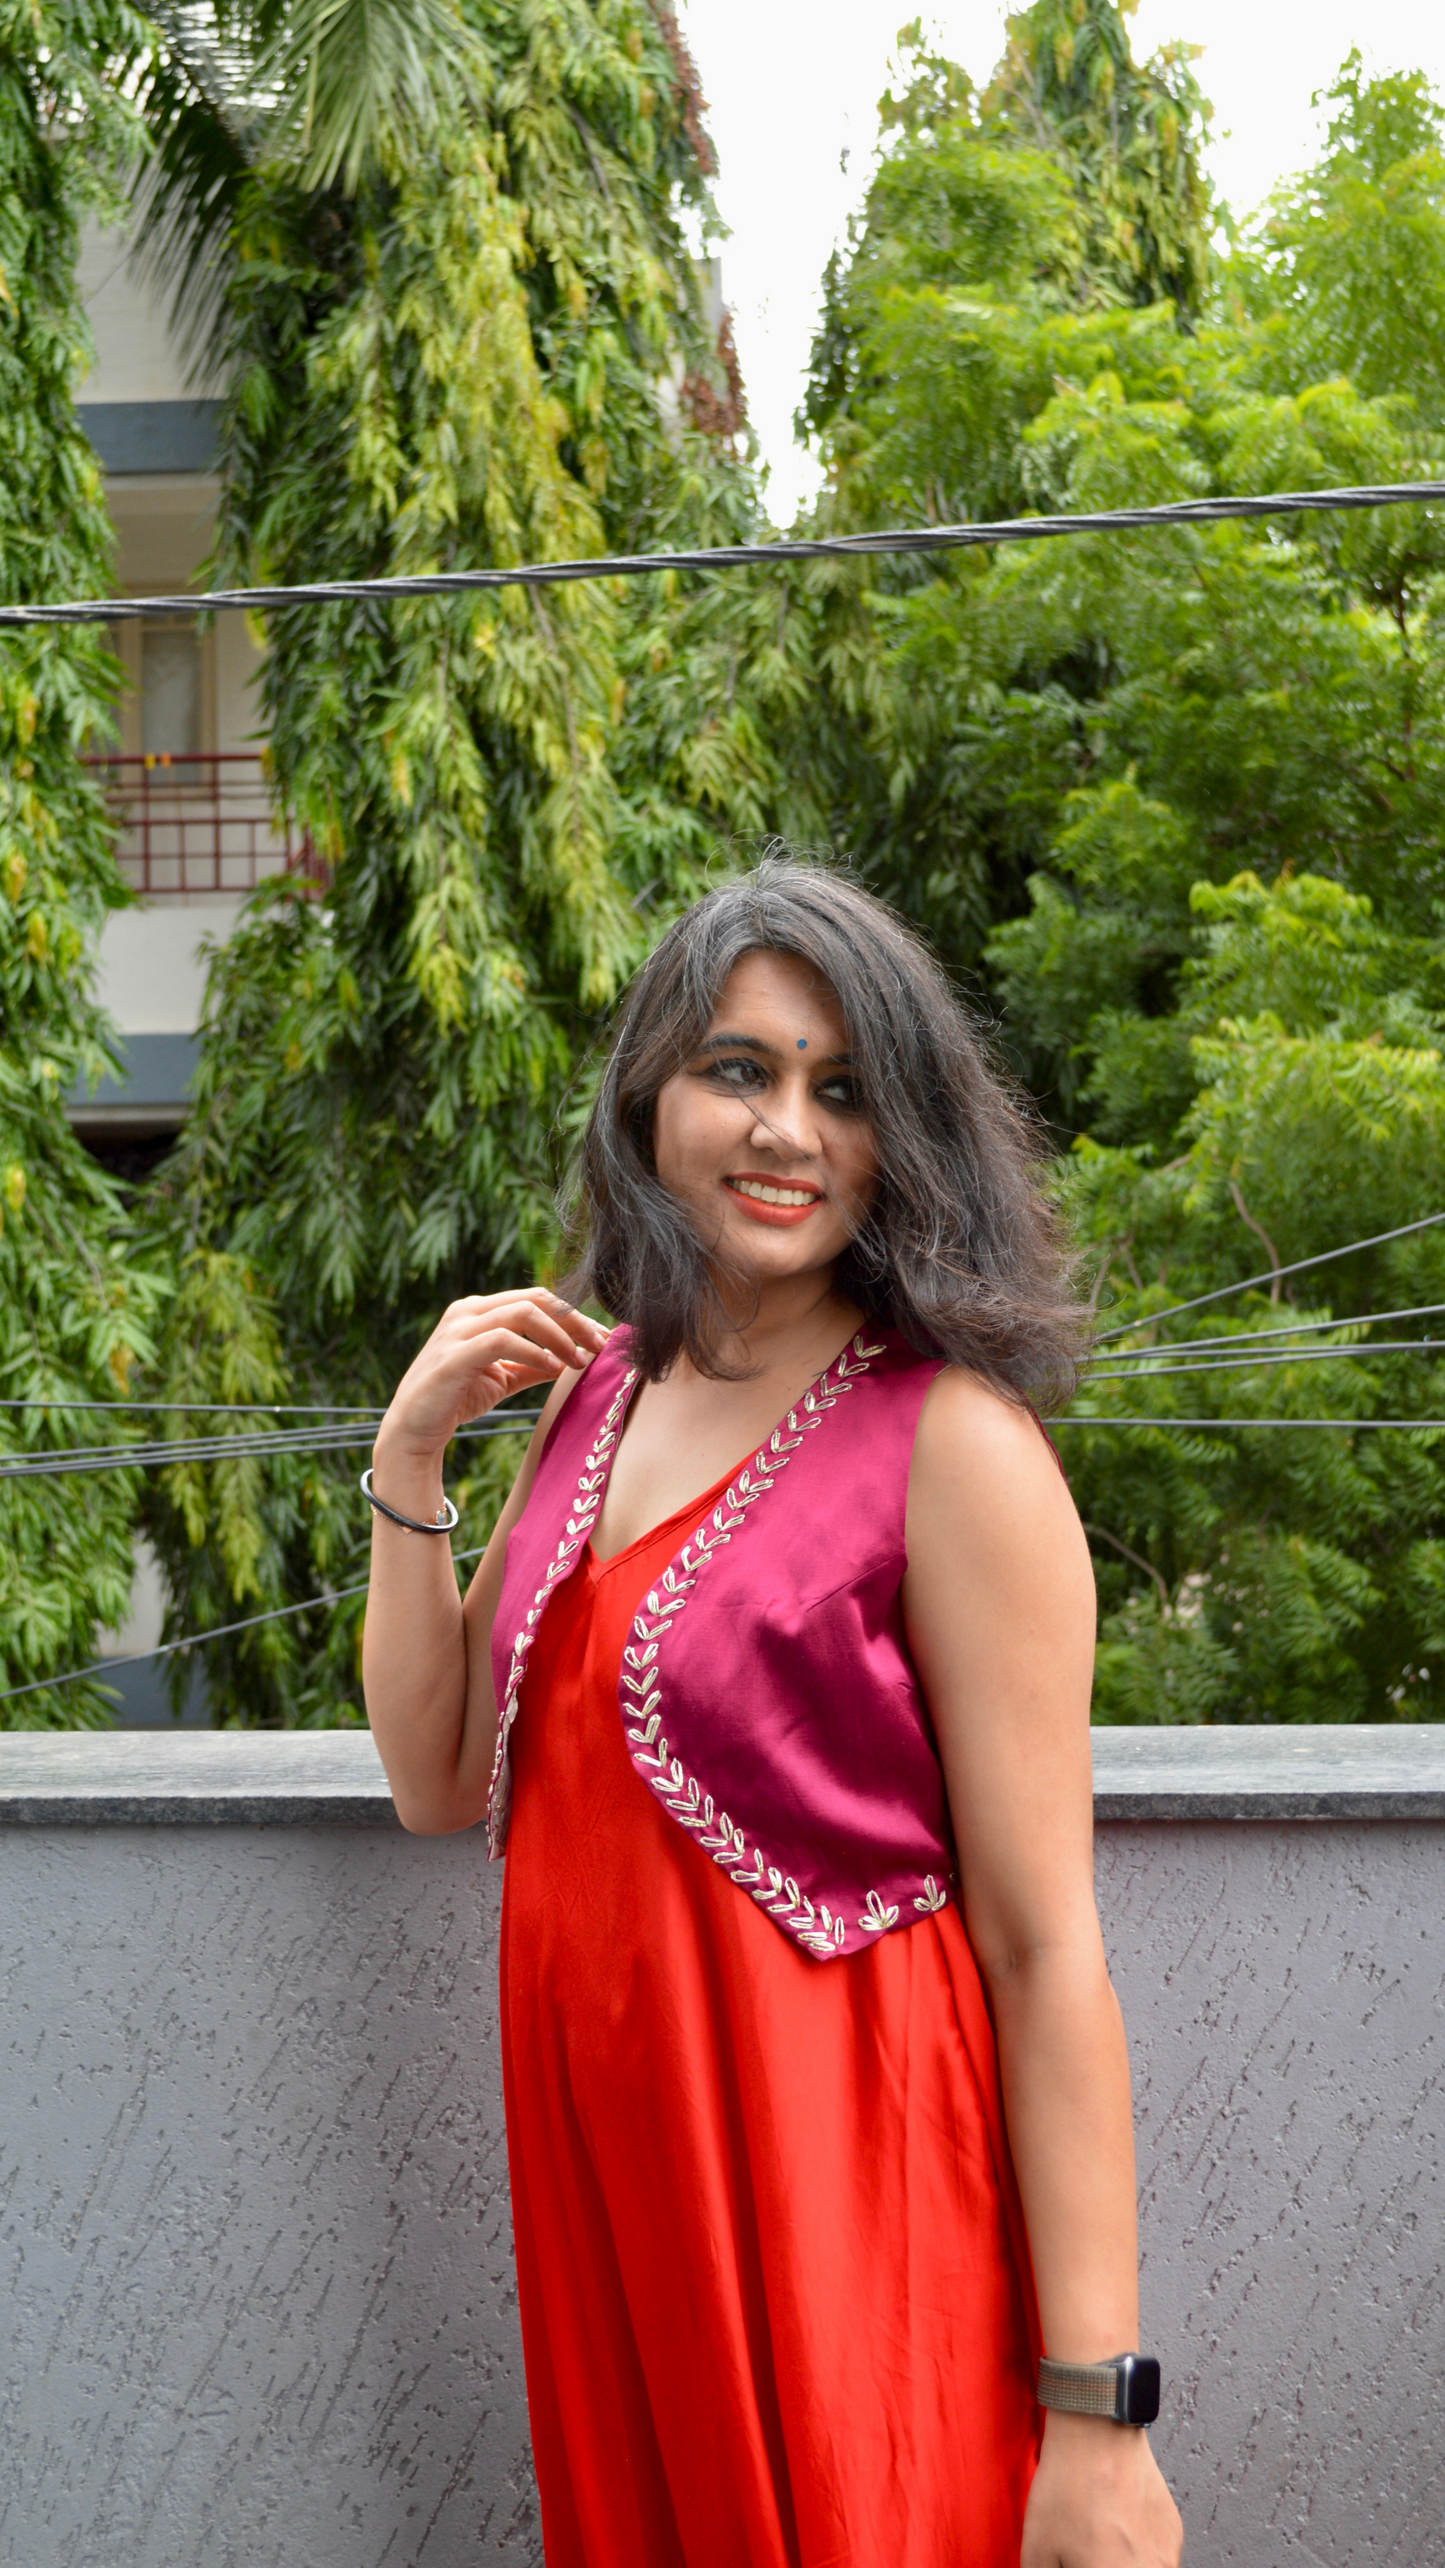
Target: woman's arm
pixel 426 1655
pixel 999 1602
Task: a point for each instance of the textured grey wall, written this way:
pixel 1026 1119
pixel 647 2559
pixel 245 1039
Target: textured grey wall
pixel 253 2231
pixel 255 2256
pixel 1284 1989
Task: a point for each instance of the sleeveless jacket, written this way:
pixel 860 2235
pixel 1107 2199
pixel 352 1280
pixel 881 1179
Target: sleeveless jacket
pixel 766 1692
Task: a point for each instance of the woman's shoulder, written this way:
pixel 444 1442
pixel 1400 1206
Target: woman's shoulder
pixel 975 1443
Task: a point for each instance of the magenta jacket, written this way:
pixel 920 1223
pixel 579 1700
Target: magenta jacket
pixel 766 1693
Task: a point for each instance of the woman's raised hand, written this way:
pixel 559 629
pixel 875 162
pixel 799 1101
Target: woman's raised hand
pixel 482 1348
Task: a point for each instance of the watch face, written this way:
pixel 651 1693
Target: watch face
pixel 1139 2390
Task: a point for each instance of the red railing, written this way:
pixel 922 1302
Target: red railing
pixel 200 822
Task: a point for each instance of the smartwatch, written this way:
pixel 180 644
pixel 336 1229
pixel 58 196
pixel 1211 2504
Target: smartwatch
pixel 1125 2388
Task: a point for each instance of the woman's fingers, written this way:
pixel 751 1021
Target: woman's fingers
pixel 485 1346
pixel 497 1346
pixel 526 1319
pixel 521 1306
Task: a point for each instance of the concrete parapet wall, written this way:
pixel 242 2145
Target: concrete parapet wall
pixel 254 2248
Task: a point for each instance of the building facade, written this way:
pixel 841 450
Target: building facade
pixel 185 773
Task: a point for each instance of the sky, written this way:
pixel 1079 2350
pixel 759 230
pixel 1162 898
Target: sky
pixel 793 85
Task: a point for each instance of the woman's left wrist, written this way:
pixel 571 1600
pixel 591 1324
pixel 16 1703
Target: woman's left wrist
pixel 1116 2389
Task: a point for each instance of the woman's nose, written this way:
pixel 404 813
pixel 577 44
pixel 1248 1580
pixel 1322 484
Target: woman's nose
pixel 788 1127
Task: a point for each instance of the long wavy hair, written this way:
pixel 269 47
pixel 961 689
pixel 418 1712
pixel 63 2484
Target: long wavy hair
pixel 961 1251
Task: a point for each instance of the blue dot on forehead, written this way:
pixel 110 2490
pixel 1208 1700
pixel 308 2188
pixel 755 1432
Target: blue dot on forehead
pixel 802 1043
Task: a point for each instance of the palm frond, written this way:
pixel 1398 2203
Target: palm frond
pixel 359 81
pixel 206 116
pixel 324 90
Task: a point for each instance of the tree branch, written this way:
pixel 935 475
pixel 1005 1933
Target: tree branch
pixel 1258 1228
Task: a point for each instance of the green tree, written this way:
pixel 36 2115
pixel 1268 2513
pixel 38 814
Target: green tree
pixel 447 346
pixel 75 1308
pixel 1008 242
pixel 1251 1573
pixel 1127 136
pixel 1177 798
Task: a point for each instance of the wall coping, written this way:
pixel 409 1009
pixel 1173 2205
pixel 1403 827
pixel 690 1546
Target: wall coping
pixel 253 1778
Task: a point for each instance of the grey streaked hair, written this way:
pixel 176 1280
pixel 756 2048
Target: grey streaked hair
pixel 961 1250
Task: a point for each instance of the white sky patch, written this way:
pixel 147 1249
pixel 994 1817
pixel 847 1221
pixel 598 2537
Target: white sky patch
pixel 793 87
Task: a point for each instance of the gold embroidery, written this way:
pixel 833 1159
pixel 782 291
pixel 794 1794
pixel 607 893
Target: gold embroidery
pixel 817 1928
pixel 586 1499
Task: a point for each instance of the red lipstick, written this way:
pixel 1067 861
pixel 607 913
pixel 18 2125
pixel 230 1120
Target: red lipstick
pixel 777 1216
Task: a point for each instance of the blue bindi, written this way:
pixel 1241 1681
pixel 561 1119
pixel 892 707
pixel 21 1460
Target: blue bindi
pixel 802 1043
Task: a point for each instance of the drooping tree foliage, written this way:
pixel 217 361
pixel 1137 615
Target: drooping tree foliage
pixel 75 1307
pixel 478 340
pixel 1178 797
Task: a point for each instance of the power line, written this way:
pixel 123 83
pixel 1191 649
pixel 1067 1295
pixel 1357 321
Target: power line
pixel 1347 1426
pixel 218 1632
pixel 1257 1363
pixel 207 1408
pixel 1151 1319
pixel 52 1465
pixel 1142 1355
pixel 723 557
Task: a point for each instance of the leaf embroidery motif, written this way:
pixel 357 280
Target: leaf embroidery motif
pixel 816 1927
pixel 586 1500
pixel 878 1916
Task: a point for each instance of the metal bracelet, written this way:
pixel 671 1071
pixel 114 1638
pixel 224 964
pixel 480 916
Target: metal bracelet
pixel 446 1513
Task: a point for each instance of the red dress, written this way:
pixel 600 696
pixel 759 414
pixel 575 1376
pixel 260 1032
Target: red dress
pixel 775 2296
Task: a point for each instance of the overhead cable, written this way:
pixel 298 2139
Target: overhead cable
pixel 1347 1426
pixel 205 1408
pixel 169 1453
pixel 726 557
pixel 1260 1337
pixel 1255 1363
pixel 193 1640
pixel 1271 1274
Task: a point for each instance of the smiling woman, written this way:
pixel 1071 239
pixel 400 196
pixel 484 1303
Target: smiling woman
pixel 954 1243
pixel 779 1658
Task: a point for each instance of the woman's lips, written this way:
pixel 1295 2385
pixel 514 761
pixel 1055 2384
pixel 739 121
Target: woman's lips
pixel 751 1194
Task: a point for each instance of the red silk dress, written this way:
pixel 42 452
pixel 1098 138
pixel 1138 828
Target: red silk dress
pixel 776 2302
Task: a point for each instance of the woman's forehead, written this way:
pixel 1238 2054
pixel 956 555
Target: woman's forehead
pixel 779 986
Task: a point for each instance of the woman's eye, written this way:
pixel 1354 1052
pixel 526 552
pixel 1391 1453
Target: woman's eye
pixel 843 1092
pixel 736 1074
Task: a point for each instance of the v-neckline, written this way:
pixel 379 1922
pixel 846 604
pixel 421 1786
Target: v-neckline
pixel 714 1496
pixel 699 1506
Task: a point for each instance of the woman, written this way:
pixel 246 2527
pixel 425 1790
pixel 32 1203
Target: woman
pixel 775 1680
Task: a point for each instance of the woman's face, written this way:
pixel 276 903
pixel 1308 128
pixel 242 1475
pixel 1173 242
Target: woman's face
pixel 761 1134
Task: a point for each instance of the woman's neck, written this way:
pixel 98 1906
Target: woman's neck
pixel 786 1322
pixel 683 1432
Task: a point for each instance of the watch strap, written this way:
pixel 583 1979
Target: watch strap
pixel 1126 2388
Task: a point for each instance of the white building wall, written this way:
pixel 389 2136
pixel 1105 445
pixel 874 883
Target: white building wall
pixel 138 357
pixel 152 971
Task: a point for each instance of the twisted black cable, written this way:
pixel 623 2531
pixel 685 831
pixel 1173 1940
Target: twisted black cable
pixel 726 557
pixel 261 1441
pixel 1270 1275
pixel 1259 1363
pixel 218 1632
pixel 1344 1426
pixel 1226 1341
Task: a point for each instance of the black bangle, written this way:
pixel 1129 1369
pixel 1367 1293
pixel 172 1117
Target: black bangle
pixel 446 1513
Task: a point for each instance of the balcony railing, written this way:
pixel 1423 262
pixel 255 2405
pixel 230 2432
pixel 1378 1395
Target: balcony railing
pixel 200 822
